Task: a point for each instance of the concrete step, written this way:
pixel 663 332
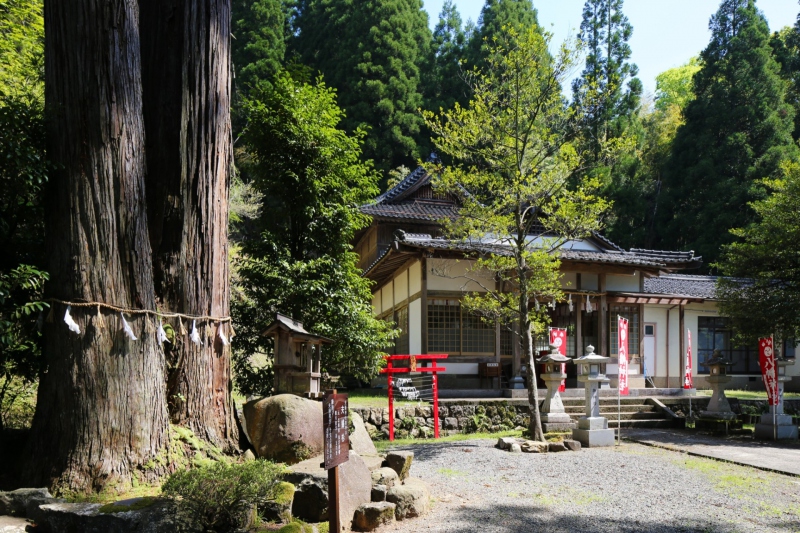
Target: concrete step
pixel 605 401
pixel 652 423
pixel 608 408
pixel 625 416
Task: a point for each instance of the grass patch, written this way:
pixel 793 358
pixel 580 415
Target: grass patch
pixel 748 394
pixel 383 445
pixel 115 507
pixel 377 398
pixel 449 472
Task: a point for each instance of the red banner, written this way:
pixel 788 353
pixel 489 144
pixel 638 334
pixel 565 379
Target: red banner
pixel 622 351
pixel 558 337
pixel 688 383
pixel 769 371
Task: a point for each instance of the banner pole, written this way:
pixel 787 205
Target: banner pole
pixel 775 407
pixel 619 401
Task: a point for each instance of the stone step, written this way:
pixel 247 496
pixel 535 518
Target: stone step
pixel 625 416
pixel 610 408
pixel 605 401
pixel 652 423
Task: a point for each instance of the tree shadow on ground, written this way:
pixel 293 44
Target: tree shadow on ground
pixel 526 518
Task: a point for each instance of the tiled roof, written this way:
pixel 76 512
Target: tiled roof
pixel 648 258
pixel 411 210
pixel 683 285
pixel 407 184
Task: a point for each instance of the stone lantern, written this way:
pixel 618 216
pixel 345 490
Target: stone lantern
pixel 592 430
pixel 776 424
pixel 297 358
pixel 718 414
pixel 554 418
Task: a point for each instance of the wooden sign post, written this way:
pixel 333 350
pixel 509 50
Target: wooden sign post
pixel 337 449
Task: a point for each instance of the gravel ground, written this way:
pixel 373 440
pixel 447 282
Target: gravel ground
pixel 476 487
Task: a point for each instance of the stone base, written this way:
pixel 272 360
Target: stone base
pixel 719 416
pixel 717 425
pixel 557 427
pixel 593 422
pixel 515 393
pixel 562 418
pixel 767 431
pixel 594 438
pixel 782 420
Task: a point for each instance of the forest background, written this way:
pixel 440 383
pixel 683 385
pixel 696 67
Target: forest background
pixel 345 81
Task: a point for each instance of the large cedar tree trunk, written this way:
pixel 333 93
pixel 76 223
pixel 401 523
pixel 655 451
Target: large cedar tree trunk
pixel 101 413
pixel 186 81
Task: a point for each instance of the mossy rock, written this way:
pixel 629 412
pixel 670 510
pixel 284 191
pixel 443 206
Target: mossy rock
pixel 123 506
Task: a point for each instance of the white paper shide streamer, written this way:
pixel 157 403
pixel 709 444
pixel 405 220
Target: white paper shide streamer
pixel 195 336
pixel 73 327
pixel 127 328
pixel 222 336
pixel 588 304
pixel 161 335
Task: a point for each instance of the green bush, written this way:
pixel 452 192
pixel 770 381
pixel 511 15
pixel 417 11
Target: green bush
pixel 223 497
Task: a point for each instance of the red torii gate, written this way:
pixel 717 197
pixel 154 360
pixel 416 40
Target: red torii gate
pixel 390 371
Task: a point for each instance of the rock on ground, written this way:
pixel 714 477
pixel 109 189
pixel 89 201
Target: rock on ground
pixel 12 524
pixel 400 462
pixel 532 446
pixel 285 428
pixel 279 509
pixel 385 476
pixel 360 442
pixel 311 483
pixel 158 517
pixel 373 515
pixel 15 502
pixel 412 498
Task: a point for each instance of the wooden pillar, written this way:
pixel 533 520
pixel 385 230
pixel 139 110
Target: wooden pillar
pixel 682 345
pixel 424 301
pixel 515 348
pixel 603 317
pixel 641 340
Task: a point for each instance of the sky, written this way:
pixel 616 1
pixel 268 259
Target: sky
pixel 666 33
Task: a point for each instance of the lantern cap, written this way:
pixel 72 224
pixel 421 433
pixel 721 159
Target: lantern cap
pixel 718 359
pixel 553 357
pixel 591 358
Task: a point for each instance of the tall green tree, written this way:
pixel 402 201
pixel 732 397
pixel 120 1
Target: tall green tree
pixel 495 15
pixel 371 51
pixel 299 260
pixel 607 90
pixel 738 130
pixel 445 84
pixel 512 159
pixel 763 290
pixel 786 47
pixel 674 86
pixel 260 31
pixel 21 45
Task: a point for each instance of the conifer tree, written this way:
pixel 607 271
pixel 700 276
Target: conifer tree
pixel 445 84
pixel 737 131
pixel 494 15
pixel 259 43
pixel 601 89
pixel 786 48
pixel 371 52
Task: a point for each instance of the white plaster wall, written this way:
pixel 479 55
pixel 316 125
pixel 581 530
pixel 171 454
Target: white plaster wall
pixel 415 326
pixel 376 303
pixel 460 368
pixel 616 282
pixel 569 281
pixel 453 269
pixel 590 282
pixel 387 297
pixel 401 286
pixel 415 278
pixel 658 316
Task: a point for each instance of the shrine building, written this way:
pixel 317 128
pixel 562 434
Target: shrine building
pixel 417 286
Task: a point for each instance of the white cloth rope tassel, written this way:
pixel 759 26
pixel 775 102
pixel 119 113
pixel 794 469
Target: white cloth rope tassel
pixel 569 302
pixel 222 336
pixel 73 327
pixel 161 335
pixel 127 328
pixel 195 336
pixel 588 304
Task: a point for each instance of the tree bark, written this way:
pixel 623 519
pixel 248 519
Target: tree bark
pixel 187 87
pixel 535 425
pixel 101 415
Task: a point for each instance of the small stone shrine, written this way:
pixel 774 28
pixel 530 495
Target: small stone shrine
pixel 776 424
pixel 592 430
pixel 297 358
pixel 718 416
pixel 554 418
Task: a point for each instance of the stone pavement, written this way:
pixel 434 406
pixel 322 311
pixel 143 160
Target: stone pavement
pixel 10 524
pixel 781 458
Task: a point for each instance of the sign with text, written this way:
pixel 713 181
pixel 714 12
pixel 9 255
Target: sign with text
pixel 622 351
pixel 334 429
pixel 688 382
pixel 558 337
pixel 769 370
